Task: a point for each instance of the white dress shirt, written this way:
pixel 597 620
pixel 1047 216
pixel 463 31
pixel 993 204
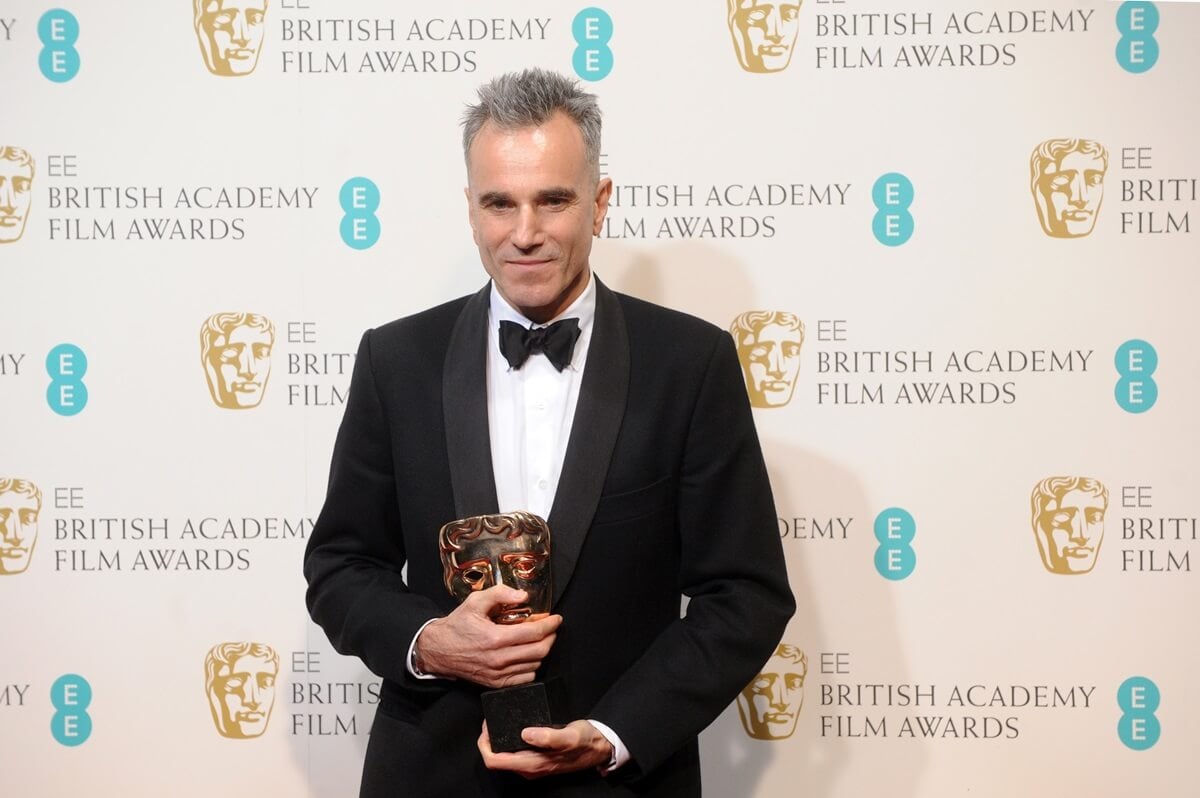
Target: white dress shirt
pixel 530 412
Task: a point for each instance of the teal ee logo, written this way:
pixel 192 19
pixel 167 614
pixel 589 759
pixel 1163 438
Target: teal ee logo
pixel 1137 50
pixel 592 29
pixel 1136 390
pixel 1138 698
pixel 359 198
pixel 66 364
pixel 892 195
pixel 71 695
pixel 59 60
pixel 895 558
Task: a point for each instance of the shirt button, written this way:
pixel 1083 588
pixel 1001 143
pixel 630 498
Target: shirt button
pixel 542 484
pixel 540 405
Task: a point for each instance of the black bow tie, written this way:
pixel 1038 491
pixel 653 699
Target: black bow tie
pixel 556 342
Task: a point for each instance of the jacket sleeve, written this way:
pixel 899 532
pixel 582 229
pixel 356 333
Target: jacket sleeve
pixel 732 569
pixel 356 590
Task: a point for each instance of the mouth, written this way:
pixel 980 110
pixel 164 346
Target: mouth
pixel 774 385
pixel 246 387
pixel 512 614
pixel 528 263
pixel 13 553
pixel 9 220
pixel 239 54
pixel 778 717
pixel 1079 553
pixel 249 717
pixel 1077 216
pixel 772 49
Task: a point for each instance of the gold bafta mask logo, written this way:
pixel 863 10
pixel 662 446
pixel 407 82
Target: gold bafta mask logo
pixel 239 679
pixel 230 34
pixel 770 705
pixel 235 350
pixel 768 346
pixel 16 184
pixel 20 505
pixel 510 549
pixel 764 34
pixel 1067 179
pixel 1068 522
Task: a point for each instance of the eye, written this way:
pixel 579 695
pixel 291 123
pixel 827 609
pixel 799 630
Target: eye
pixel 21 184
pixel 1095 178
pixel 1060 181
pixel 230 353
pixel 28 516
pixel 791 349
pixel 254 17
pixel 266 680
pixel 234 683
pixel 475 577
pixel 1095 516
pixel 223 19
pixel 759 351
pixel 756 17
pixel 525 567
pixel 262 351
pixel 795 681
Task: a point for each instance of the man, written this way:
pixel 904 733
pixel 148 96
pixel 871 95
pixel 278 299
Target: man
pixel 768 344
pixel 770 705
pixel 20 506
pixel 235 350
pixel 1068 522
pixel 764 34
pixel 239 679
pixel 1068 185
pixel 16 180
pixel 230 34
pixel 638 447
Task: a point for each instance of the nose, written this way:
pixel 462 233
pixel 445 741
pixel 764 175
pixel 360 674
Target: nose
pixel 773 27
pixel 246 363
pixel 775 362
pixel 1077 189
pixel 526 234
pixel 240 31
pixel 8 200
pixel 10 532
pixel 253 695
pixel 1079 529
pixel 777 702
pixel 497 573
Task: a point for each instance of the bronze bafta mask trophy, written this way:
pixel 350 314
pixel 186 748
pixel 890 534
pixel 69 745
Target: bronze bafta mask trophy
pixel 512 549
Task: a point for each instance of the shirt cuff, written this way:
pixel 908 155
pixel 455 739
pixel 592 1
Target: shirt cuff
pixel 620 755
pixel 411 660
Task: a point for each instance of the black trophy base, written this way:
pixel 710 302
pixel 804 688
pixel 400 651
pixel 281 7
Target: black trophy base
pixel 509 710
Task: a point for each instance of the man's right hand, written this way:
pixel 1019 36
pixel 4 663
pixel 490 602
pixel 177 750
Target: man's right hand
pixel 468 644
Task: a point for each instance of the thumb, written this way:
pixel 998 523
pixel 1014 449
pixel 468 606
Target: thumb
pixel 496 595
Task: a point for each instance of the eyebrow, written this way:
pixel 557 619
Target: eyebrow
pixel 489 197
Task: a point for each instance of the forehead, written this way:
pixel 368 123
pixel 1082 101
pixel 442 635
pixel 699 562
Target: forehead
pixel 251 664
pixel 500 542
pixel 12 500
pixel 244 333
pixel 1080 498
pixel 777 332
pixel 213 6
pixel 1076 160
pixel 8 167
pixel 550 153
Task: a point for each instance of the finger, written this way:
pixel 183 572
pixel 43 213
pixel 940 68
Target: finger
pixel 495 596
pixel 551 739
pixel 530 631
pixel 529 653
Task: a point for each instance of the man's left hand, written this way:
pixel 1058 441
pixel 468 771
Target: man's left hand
pixel 577 746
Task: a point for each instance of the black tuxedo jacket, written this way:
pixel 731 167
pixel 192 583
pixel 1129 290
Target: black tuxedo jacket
pixel 663 493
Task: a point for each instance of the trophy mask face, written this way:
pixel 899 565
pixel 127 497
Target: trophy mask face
pixel 510 549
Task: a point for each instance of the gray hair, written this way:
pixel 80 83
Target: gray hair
pixel 528 98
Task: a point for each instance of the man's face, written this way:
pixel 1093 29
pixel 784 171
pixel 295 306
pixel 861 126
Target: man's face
pixel 232 32
pixel 240 362
pixel 533 211
pixel 764 34
pixel 18 531
pixel 770 705
pixel 522 562
pixel 245 692
pixel 772 363
pixel 1070 531
pixel 15 182
pixel 1071 191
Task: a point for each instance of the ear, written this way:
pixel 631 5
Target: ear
pixel 603 194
